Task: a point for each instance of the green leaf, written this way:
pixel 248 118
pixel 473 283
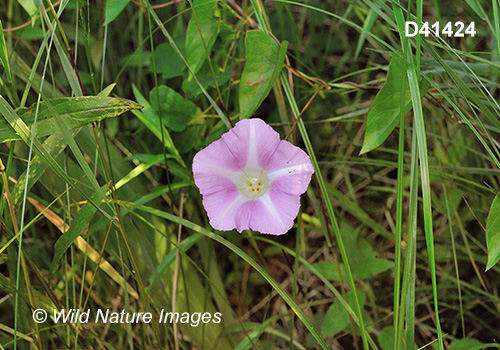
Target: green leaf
pixel 75 149
pixel 167 61
pixel 46 155
pixel 369 267
pixel 386 108
pixel 236 250
pixel 107 90
pixel 336 318
pixel 264 60
pixel 493 233
pixel 369 20
pixel 78 224
pixel 357 248
pixel 4 56
pixel 54 144
pixel 361 270
pixel 204 20
pixel 176 112
pixel 361 257
pixel 30 7
pixel 465 344
pixel 487 69
pixel 386 338
pixel 192 88
pixel 329 270
pixel 151 120
pixel 76 111
pixel 190 137
pixel 32 33
pixel 478 9
pixel 165 32
pixel 113 9
pixel 136 59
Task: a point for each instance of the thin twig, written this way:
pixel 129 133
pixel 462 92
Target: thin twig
pixel 170 3
pixel 13 29
pixel 249 19
pixel 302 112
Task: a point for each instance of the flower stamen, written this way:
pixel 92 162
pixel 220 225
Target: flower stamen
pixel 253 185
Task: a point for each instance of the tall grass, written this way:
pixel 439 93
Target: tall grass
pixel 389 248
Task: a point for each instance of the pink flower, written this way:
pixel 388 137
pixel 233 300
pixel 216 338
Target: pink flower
pixel 250 179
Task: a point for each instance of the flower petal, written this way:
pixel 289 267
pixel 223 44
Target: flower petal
pixel 221 208
pixel 210 182
pixel 274 212
pixel 253 141
pixel 290 169
pixel 250 147
pixel 217 155
pixel 243 214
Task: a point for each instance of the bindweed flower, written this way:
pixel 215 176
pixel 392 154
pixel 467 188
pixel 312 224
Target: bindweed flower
pixel 250 179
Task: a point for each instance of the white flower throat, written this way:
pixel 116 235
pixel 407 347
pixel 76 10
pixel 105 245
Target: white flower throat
pixel 254 183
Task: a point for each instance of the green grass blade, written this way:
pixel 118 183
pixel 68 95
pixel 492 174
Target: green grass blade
pixel 76 111
pixel 321 183
pixel 397 319
pixel 426 188
pixel 22 130
pixel 78 224
pixel 165 32
pixel 367 26
pixel 329 207
pixel 4 60
pixel 62 53
pixel 287 298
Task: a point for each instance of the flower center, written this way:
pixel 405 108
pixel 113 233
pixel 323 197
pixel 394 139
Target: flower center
pixel 254 184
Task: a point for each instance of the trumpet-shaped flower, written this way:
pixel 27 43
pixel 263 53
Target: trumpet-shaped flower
pixel 250 179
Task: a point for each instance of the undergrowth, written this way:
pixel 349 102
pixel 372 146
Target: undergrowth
pixel 389 250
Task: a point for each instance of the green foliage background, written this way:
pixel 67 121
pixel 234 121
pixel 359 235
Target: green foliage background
pixel 397 242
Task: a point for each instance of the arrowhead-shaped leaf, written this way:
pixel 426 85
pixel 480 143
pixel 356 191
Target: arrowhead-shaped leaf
pixel 30 7
pixel 493 233
pixel 113 9
pixel 264 61
pixel 386 108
